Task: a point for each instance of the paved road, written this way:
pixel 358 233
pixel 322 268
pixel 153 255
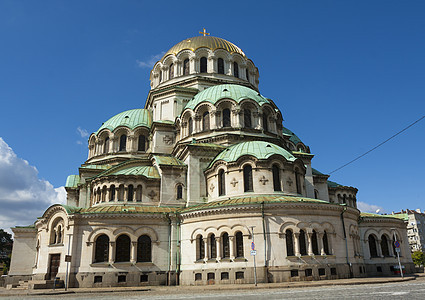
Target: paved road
pixel 406 290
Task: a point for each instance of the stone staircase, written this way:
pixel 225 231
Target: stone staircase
pixel 36 284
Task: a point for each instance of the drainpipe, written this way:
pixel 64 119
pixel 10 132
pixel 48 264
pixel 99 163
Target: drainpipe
pixel 169 250
pixel 178 253
pixel 265 242
pixel 346 243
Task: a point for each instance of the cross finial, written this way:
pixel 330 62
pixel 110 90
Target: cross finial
pixel 204 32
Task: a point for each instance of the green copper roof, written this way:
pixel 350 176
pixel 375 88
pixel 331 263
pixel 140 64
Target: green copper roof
pixel 333 184
pixel 72 181
pixel 96 167
pixel 293 138
pixel 316 172
pixel 147 171
pixel 168 160
pixel 228 91
pixel 371 215
pixel 118 209
pixel 130 118
pixel 259 149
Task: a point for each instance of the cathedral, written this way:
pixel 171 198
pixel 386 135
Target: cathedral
pixel 204 185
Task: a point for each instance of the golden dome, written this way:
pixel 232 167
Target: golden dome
pixel 210 42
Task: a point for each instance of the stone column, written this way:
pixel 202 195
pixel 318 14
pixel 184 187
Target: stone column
pixel 111 252
pixel 310 243
pixel 230 68
pixel 378 248
pixel 213 119
pixel 108 191
pixel 232 247
pixel 133 252
pixel 320 241
pixel 192 65
pixel 205 240
pixel 211 65
pixel 218 246
pixel 297 243
pixel 125 194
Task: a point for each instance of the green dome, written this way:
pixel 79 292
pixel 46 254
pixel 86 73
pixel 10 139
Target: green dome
pixel 131 118
pixel 293 137
pixel 229 91
pixel 259 149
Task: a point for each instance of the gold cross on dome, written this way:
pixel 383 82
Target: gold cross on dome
pixel 204 32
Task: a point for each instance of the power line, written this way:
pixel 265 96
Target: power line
pixel 367 152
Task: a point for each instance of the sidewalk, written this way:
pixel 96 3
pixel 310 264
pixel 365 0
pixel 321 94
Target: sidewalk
pixel 177 289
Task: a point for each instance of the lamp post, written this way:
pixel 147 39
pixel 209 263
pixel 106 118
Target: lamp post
pixel 398 253
pixel 68 258
pixel 254 254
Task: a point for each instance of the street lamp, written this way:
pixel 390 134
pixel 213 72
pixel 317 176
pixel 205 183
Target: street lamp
pixel 253 253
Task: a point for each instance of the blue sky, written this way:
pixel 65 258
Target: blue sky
pixel 345 74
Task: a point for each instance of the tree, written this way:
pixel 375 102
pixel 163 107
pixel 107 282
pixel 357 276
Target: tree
pixel 6 243
pixel 418 258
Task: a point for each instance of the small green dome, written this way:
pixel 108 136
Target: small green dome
pixel 229 91
pixel 259 149
pixel 131 118
pixel 293 137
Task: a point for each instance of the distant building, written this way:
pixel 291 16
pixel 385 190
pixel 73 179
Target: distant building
pixel 415 221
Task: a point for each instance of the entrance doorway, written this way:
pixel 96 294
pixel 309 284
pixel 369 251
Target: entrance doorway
pixel 54 266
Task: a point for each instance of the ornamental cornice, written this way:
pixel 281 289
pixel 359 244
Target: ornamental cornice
pixel 122 215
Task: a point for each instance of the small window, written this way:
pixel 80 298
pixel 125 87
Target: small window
pixel 123 142
pixel 226 117
pixel 333 271
pixel 130 192
pixel 122 278
pixel 276 178
pixel 224 275
pixel 239 244
pixel 322 272
pixel 206 121
pixel 247 74
pixel 171 72
pixel 144 278
pixel 265 122
pixel 186 67
pixel 179 192
pixel 190 126
pixel 239 275
pixel 247 118
pixel 221 183
pixel 247 179
pixel 106 146
pixel 198 276
pixel 204 65
pixel 379 269
pixel 220 66
pixel 236 69
pixel 361 270
pixel 97 279
pixel 142 143
pixel 211 276
pixel 308 272
pixel 294 273
pixel 112 193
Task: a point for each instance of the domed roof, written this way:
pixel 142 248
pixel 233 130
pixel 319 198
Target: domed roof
pixel 131 119
pixel 258 149
pixel 210 42
pixel 229 91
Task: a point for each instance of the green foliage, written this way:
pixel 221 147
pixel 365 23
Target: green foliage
pixel 418 258
pixel 6 243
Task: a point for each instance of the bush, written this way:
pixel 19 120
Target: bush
pixel 418 258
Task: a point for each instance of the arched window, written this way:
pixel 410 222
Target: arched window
pixel 104 194
pixel 130 192
pixel 372 246
pixel 265 122
pixel 59 235
pixel 226 117
pixel 106 145
pixel 203 67
pixel 289 243
pixel 239 244
pixel 139 193
pixel 303 246
pixel 236 69
pixel 186 67
pixel 247 74
pixel 206 121
pixel 226 245
pixel 171 72
pixel 221 183
pixel 141 143
pixel 220 66
pixel 190 126
pixel 276 178
pixel 384 246
pixel 121 193
pixel 179 192
pixel 144 249
pixel 314 242
pixel 101 249
pixel 213 246
pixel 247 178
pixel 326 243
pixel 316 194
pixel 112 193
pixel 123 142
pixel 200 251
pixel 297 181
pixel 122 248
pixel 247 118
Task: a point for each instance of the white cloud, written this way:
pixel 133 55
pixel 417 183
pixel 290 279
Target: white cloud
pixel 23 196
pixel 79 142
pixel 370 208
pixel 84 133
pixel 149 63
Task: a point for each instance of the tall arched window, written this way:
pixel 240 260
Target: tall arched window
pixel 239 244
pixel 112 193
pixel 220 66
pixel 236 69
pixel 297 181
pixel 122 248
pixel 206 121
pixel 384 246
pixel 204 65
pixel 213 246
pixel 123 142
pixel 101 253
pixel 326 243
pixel 247 74
pixel 265 121
pixel 221 183
pixel 276 178
pixel 179 192
pixel 186 67
pixel 104 194
pixel 130 192
pixel 314 242
pixel 190 126
pixel 226 117
pixel 200 253
pixel 121 193
pixel 144 249
pixel 139 193
pixel 303 246
pixel 141 143
pixel 106 145
pixel 226 245
pixel 247 178
pixel 171 72
pixel 372 246
pixel 289 243
pixel 316 194
pixel 247 118
pixel 160 75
